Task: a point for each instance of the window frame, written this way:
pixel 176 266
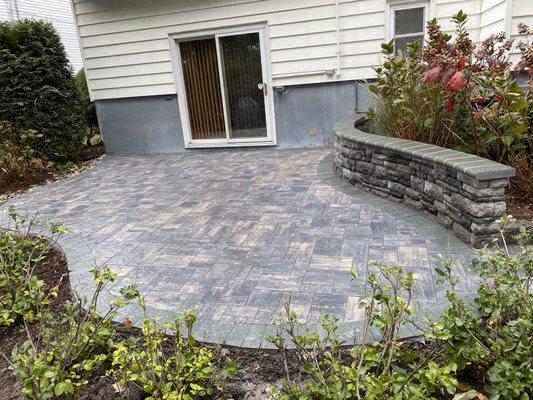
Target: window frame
pixel 406 6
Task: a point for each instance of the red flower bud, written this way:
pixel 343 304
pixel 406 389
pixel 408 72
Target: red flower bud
pixel 461 63
pixel 433 75
pixel 456 82
pixel 476 116
pixel 449 104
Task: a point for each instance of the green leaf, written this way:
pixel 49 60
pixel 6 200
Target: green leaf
pixel 519 129
pixel 508 140
pixel 428 122
pixel 59 388
pixel 518 105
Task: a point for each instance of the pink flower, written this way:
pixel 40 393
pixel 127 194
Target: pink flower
pixel 456 82
pixel 461 63
pixel 433 75
pixel 447 75
pixel 476 116
pixel 449 104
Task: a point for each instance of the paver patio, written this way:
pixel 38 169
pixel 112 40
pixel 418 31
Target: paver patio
pixel 236 231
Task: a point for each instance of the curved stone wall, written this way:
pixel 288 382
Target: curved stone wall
pixel 463 192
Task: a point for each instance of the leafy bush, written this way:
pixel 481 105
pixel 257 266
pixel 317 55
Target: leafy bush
pixel 91 120
pixel 461 96
pixel 383 369
pixel 22 294
pixel 166 363
pixel 68 346
pixel 495 331
pixel 37 89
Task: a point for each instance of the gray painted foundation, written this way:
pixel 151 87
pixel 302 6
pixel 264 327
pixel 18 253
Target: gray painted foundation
pixel 305 115
pixel 141 125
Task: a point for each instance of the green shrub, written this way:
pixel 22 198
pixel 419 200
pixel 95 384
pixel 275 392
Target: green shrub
pixel 53 363
pixel 91 120
pixel 37 89
pixel 22 294
pixel 380 370
pixel 166 363
pixel 495 331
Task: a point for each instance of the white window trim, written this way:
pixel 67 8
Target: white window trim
pixel 405 6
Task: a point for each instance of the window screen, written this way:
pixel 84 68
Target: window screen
pixel 408 27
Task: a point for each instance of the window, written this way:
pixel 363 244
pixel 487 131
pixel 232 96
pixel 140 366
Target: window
pixel 408 25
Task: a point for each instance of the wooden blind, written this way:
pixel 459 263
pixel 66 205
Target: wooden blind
pixel 202 86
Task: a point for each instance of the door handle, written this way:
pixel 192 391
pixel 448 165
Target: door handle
pixel 263 87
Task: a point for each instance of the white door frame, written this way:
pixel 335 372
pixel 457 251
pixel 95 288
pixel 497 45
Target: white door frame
pixel 182 96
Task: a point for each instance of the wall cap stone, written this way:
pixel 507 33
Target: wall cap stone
pixel 478 168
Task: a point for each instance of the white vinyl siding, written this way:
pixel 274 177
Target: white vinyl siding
pixel 127 48
pixel 59 13
pixel 521 11
pixel 444 9
pixel 492 17
pixel 126 44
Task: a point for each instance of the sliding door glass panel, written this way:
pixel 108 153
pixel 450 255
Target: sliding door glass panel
pixel 202 87
pixel 242 73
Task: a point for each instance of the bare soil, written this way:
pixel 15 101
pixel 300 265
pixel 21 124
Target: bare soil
pixel 90 156
pixel 520 207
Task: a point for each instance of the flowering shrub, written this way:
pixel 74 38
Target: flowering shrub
pixel 460 96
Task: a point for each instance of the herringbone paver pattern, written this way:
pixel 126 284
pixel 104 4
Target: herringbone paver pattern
pixel 238 230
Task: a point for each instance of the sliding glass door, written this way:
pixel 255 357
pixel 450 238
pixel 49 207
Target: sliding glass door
pixel 225 89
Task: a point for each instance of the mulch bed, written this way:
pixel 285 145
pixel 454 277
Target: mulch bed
pixel 520 207
pixel 90 156
pixel 53 270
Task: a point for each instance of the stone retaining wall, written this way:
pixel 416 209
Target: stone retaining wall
pixel 463 192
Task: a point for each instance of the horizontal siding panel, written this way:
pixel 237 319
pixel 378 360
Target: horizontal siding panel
pixel 522 8
pixel 488 4
pixel 117 93
pixel 471 7
pixel 355 73
pixel 127 81
pixel 493 15
pixel 129 59
pixel 327 24
pixel 350 48
pixel 129 22
pixel 347 62
pixel 129 70
pixel 128 48
pixel 59 13
pixel 326 38
pixel 114 10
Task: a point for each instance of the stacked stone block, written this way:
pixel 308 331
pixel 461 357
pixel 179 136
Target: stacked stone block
pixel 463 192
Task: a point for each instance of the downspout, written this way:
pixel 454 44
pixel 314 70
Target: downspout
pixel 337 12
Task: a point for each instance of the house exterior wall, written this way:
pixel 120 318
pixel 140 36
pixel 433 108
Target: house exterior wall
pixel 128 60
pixel 58 12
pixel 127 53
